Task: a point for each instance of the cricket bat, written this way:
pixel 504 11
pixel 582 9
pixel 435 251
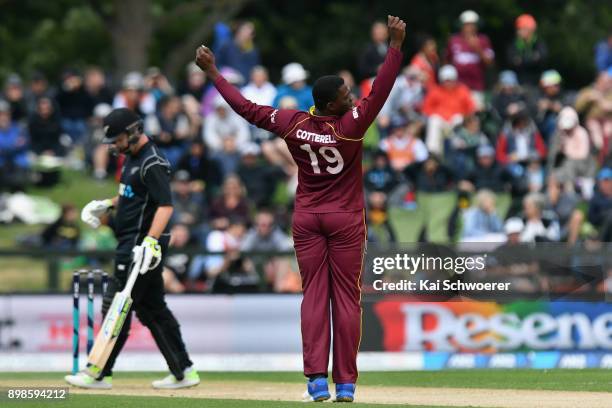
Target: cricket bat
pixel 113 322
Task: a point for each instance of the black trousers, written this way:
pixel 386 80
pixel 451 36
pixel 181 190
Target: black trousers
pixel 152 311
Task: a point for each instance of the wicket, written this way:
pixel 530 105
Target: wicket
pixel 76 290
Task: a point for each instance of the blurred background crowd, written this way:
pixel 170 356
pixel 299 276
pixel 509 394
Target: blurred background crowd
pixel 519 156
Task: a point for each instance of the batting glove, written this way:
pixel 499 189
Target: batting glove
pixel 93 210
pixel 151 254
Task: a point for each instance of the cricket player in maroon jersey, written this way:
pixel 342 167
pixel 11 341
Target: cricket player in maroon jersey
pixel 329 227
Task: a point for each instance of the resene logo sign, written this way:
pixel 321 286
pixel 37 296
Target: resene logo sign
pixel 490 327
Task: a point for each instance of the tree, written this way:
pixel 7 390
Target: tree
pixel 133 23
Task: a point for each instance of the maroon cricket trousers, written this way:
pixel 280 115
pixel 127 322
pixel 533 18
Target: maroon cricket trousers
pixel 330 248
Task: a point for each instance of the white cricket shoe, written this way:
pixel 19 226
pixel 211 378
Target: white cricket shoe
pixel 84 380
pixel 191 379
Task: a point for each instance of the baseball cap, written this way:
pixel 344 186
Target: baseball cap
pixel 469 16
pixel 568 118
pixel 513 225
pixel 13 80
pixel 447 73
pixel 101 110
pixel 117 122
pixel 604 174
pixel 294 72
pixel 485 151
pixel 550 77
pixel 508 78
pixel 526 21
pixel 398 122
pixel 133 80
pixel 182 175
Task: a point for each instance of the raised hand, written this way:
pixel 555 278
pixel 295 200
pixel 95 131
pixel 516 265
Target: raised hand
pixel 205 59
pixel 397 31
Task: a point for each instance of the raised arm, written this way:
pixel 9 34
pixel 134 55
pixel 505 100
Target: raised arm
pixel 355 122
pixel 266 117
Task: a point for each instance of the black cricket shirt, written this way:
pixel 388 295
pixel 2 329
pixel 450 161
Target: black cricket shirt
pixel 144 186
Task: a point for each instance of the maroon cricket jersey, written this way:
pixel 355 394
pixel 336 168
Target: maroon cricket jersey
pixel 326 149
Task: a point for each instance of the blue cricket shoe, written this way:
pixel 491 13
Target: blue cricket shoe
pixel 345 392
pixel 317 390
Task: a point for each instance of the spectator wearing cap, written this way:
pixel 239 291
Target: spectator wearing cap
pixel 240 54
pixel 445 106
pixel 527 54
pixel 481 222
pixel 205 172
pixel 375 51
pixel 508 96
pixel 14 94
pixel 211 95
pixel 294 78
pixel 380 177
pixel 487 174
pixel 403 145
pixel 550 101
pixel 513 262
pixel 223 123
pixel 406 98
pixel 470 52
pixel 170 128
pixel 513 228
pixel 462 145
pixel 594 104
pixel 427 61
pixel 134 96
pixel 569 156
pixel 189 205
pixel 260 179
pixel 45 129
pixel 157 84
pixel 74 105
pixel 14 163
pixel 260 91
pixel 603 53
pixel 600 206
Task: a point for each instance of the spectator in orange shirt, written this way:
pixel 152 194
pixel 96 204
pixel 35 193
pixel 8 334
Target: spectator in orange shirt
pixel 403 146
pixel 427 60
pixel 445 106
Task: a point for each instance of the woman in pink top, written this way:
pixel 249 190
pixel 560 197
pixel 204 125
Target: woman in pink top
pixel 570 153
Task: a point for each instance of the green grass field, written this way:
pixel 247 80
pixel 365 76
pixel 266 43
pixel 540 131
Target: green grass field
pixel 581 381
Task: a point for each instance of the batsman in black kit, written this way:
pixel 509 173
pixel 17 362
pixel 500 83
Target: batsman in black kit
pixel 143 210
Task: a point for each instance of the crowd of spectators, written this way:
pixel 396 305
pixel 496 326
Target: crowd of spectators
pixel 444 128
